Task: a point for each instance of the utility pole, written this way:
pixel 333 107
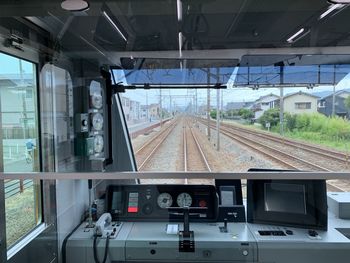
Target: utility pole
pixel 281 102
pixel 208 104
pixel 160 108
pixel 218 119
pixel 147 108
pixel 333 101
pixel 222 104
pixel 218 111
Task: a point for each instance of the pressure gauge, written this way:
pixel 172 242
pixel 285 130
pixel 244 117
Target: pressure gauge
pixel 98 144
pixel 96 100
pixel 184 199
pixel 164 200
pixel 97 121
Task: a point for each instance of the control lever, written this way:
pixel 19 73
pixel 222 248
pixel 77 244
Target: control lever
pixel 186 237
pixel 223 229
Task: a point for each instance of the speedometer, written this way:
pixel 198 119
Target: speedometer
pixel 97 121
pixel 164 200
pixel 184 199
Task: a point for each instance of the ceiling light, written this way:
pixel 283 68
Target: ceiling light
pixel 114 25
pixel 179 10
pixel 75 5
pixel 339 1
pixel 293 37
pixel 330 9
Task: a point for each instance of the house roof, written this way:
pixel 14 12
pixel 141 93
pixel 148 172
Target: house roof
pixel 300 93
pixel 336 93
pixel 266 96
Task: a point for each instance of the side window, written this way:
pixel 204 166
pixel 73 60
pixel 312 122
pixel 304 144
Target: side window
pixel 20 145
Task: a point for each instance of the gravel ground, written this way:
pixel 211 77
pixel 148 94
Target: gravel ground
pixel 20 215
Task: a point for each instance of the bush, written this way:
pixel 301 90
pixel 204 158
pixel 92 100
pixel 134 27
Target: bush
pixel 246 114
pixel 271 116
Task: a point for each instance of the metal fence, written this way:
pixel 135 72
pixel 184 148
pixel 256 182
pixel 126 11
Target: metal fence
pixel 14 187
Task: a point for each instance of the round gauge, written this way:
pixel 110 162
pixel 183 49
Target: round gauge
pixel 97 121
pixel 164 200
pixel 96 100
pixel 98 144
pixel 184 199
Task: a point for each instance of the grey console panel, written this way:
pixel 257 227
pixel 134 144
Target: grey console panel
pixel 149 241
pixel 339 204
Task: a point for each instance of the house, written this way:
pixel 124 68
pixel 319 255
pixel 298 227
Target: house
pixel 325 104
pixel 238 105
pixel 265 103
pixel 300 102
pixel 134 110
pixel 154 111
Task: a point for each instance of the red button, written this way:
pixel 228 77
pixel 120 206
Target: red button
pixel 132 209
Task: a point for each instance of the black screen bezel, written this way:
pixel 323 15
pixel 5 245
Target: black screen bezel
pixel 316 205
pixel 230 182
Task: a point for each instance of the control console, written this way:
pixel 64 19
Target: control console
pixel 162 202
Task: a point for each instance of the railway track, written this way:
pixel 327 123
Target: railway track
pixel 194 158
pixel 311 149
pixel 284 153
pixel 145 152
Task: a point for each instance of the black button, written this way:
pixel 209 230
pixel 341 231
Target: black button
pixel 313 233
pixel 152 251
pixel 289 232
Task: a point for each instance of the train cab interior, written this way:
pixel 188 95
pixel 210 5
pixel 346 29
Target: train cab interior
pixel 174 131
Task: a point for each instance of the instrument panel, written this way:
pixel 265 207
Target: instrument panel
pixel 162 202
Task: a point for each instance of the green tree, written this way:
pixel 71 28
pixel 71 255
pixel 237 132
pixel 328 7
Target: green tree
pixel 213 114
pixel 271 116
pixel 246 113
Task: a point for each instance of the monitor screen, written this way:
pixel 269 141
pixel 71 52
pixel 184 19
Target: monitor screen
pixel 296 203
pixel 228 195
pixel 285 198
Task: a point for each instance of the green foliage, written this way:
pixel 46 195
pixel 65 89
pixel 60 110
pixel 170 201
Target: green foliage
pixel 334 128
pixel 231 113
pixel 246 113
pixel 270 116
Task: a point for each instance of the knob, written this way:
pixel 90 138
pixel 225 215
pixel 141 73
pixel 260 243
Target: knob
pixel 245 253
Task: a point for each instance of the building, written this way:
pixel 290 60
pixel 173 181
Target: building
pixel 325 104
pixel 131 108
pixel 265 103
pixel 300 102
pixel 154 111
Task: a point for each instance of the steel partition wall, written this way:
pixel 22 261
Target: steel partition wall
pixel 46 241
pixel 2 201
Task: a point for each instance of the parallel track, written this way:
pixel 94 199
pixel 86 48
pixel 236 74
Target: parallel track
pixel 287 159
pixel 146 152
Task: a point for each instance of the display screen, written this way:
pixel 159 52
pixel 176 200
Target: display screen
pixel 117 202
pixel 228 195
pixel 296 203
pixel 284 198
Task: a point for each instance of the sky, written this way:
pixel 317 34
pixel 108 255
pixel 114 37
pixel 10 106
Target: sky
pixel 182 97
pixel 231 94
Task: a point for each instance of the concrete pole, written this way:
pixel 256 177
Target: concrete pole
pixel 208 104
pixel 160 107
pixel 333 101
pixel 218 119
pixel 281 101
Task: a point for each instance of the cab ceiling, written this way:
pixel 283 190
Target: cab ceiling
pixel 154 25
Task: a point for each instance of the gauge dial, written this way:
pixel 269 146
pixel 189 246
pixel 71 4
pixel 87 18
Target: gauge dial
pixel 164 200
pixel 184 199
pixel 97 121
pixel 96 100
pixel 98 144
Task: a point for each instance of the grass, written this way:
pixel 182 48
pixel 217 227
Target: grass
pixel 20 215
pixel 318 138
